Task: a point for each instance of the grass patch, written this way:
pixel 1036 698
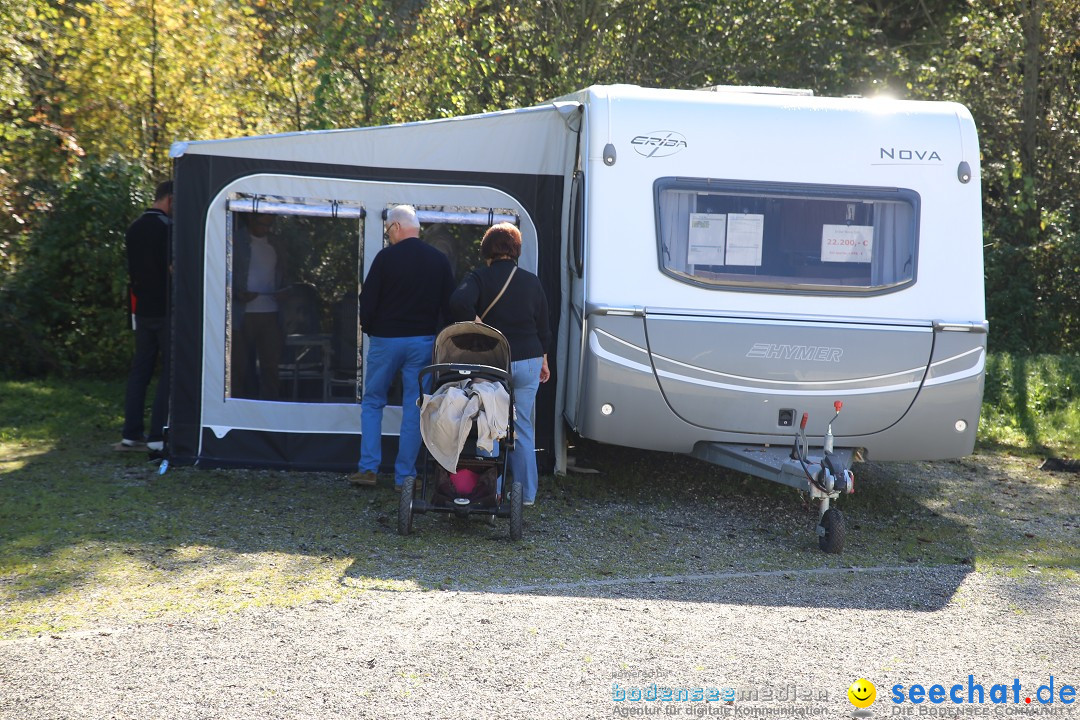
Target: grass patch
pixel 1031 404
pixel 89 536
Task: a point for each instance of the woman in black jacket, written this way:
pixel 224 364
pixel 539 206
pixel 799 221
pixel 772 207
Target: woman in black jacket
pixel 520 313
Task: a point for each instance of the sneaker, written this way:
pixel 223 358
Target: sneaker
pixel 366 478
pixel 129 445
pixel 528 503
pixel 156 445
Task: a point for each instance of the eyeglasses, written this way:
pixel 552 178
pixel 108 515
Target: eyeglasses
pixel 392 225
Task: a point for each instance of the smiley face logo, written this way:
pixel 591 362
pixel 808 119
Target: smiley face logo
pixel 862 693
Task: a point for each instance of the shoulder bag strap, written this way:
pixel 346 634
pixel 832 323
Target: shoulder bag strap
pixel 505 285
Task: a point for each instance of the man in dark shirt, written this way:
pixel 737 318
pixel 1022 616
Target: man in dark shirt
pixel 147 246
pixel 402 304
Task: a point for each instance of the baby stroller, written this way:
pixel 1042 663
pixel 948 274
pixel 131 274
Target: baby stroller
pixel 470 405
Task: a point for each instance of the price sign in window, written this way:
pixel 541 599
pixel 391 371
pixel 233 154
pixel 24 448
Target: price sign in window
pixel 847 243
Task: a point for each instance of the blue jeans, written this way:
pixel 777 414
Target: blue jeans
pixel 525 378
pixel 151 343
pixel 385 358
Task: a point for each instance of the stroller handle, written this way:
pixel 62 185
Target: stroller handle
pixel 466 370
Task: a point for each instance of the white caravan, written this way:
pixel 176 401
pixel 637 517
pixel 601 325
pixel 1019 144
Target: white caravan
pixel 724 267
pixel 743 261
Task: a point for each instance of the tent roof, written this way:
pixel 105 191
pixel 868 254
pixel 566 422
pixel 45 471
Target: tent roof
pixel 489 142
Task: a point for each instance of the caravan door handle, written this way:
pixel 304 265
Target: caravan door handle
pixel 591 309
pixel 972 327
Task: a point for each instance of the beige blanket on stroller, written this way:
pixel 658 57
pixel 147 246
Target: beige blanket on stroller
pixel 447 416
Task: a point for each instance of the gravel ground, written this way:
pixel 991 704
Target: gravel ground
pixel 556 651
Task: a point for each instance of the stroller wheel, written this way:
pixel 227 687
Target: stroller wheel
pixel 517 511
pixel 405 503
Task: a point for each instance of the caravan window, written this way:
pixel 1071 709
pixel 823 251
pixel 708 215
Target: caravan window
pixel 800 238
pixel 291 317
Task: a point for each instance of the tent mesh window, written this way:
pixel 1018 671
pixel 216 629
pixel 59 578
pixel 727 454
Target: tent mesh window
pixel 292 325
pixel 457 232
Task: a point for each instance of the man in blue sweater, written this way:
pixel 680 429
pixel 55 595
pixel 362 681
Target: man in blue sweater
pixel 402 305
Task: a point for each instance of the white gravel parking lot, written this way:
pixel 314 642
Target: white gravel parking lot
pixel 787 644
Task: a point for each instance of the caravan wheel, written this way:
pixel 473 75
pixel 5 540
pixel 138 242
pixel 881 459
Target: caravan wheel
pixel 832 530
pixel 404 511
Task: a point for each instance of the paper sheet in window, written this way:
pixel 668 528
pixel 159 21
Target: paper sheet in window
pixel 706 239
pixel 847 243
pixel 744 236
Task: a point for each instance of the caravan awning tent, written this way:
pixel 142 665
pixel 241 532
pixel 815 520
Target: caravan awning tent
pixel 327 192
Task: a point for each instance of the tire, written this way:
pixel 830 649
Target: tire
pixel 832 530
pixel 517 511
pixel 404 511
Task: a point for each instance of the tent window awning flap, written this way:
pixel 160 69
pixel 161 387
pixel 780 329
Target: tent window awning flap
pixel 490 217
pixel 273 206
pixel 340 209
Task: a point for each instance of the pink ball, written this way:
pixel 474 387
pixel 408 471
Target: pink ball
pixel 464 481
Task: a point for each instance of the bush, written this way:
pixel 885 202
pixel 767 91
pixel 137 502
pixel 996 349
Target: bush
pixel 64 305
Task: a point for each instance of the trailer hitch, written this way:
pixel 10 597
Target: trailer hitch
pixel 827 479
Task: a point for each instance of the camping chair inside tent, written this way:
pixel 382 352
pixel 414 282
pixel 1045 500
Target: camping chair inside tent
pixel 305 361
pixel 344 377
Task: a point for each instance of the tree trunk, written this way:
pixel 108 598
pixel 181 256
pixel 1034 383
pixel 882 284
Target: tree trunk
pixel 1029 116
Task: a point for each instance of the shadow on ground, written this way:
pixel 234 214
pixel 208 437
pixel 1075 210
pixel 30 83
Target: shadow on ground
pixel 80 520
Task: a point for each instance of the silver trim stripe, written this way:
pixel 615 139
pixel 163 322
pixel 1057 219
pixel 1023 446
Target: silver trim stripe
pixel 596 347
pixel 790 323
pixel 913 371
pixel 956 357
pixel 976 369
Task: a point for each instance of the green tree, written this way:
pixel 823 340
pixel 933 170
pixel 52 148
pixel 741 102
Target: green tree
pixel 468 56
pixel 1015 65
pixel 141 74
pixel 321 63
pixel 36 149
